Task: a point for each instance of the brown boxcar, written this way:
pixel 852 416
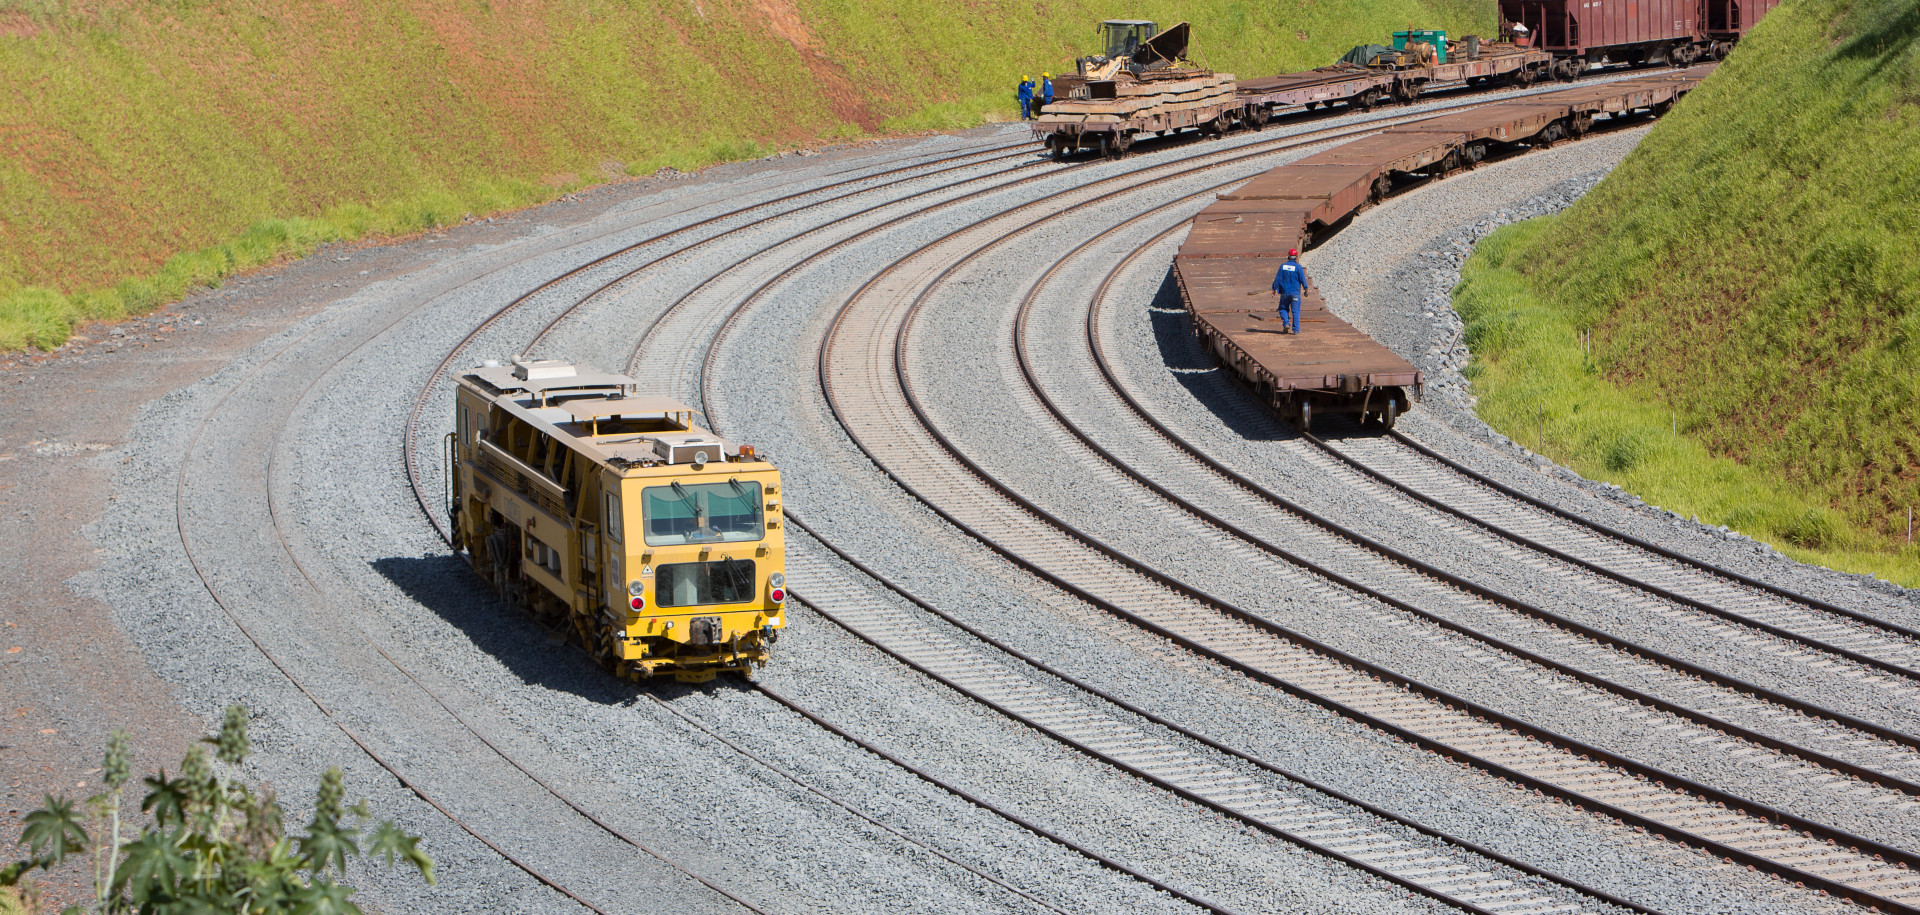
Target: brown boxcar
pixel 1587 33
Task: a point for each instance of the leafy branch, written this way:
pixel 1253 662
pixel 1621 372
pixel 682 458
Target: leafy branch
pixel 213 844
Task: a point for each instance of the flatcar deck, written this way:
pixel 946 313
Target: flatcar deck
pixel 1226 265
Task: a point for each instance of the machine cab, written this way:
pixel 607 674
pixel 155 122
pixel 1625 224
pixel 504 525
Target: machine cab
pixel 1125 36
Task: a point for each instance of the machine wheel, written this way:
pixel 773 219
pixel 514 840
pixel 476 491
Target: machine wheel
pixel 1106 146
pixel 1551 134
pixel 1306 415
pixel 1259 116
pixel 1312 105
pixel 1121 143
pixel 1474 153
pixel 1392 414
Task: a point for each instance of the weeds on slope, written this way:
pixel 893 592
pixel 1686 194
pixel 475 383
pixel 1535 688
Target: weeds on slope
pixel 1748 286
pixel 1539 380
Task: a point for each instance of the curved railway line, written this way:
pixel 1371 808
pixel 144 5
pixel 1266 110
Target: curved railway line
pixel 863 370
pixel 714 295
pixel 864 374
pixel 1417 472
pixel 659 329
pixel 531 786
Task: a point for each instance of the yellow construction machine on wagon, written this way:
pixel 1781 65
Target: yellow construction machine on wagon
pixel 609 516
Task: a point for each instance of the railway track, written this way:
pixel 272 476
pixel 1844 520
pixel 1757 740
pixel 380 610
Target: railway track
pixel 862 372
pixel 1437 872
pixel 706 304
pixel 1435 869
pixel 1871 753
pixel 710 294
pixel 490 769
pixel 1400 464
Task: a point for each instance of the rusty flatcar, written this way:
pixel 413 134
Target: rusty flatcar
pixel 1225 265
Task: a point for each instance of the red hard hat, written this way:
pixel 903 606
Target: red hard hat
pixel 1293 252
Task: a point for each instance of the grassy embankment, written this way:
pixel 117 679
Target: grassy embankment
pixel 146 148
pixel 1748 284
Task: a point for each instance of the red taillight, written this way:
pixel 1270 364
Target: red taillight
pixel 779 595
pixel 638 603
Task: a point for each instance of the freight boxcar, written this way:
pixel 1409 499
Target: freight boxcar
pixel 615 520
pixel 1583 34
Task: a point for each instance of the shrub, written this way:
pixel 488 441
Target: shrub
pixel 214 844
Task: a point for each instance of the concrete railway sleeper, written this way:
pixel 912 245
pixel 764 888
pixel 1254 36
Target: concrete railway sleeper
pixel 230 606
pixel 1893 760
pixel 428 502
pixel 1410 468
pixel 1310 822
pixel 874 403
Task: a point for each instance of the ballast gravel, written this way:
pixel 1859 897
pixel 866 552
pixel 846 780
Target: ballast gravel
pixel 768 389
pixel 370 614
pixel 961 346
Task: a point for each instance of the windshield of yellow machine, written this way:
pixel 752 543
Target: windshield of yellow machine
pixel 726 512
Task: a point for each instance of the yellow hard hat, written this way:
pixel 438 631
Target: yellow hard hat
pixel 1046 76
pixel 1026 79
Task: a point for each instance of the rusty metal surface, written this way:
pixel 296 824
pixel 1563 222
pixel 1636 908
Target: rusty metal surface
pixel 1225 267
pixel 1391 150
pixel 1507 123
pixel 1265 229
pixel 1235 311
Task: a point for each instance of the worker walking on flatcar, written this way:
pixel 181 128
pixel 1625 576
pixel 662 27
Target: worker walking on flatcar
pixel 1291 283
pixel 1026 98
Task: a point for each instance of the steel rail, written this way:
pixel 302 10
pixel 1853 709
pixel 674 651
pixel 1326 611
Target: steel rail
pixel 1085 748
pixel 1650 546
pixel 1392 554
pixel 706 373
pixel 984 804
pixel 418 484
pixel 1636 770
pixel 1909 669
pixel 1236 154
pixel 233 616
pixel 782 771
pixel 824 360
pixel 411 447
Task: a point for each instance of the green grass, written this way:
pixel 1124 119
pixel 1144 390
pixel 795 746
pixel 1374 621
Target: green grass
pixel 165 145
pixel 1748 284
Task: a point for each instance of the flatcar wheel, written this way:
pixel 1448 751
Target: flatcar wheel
pixel 1106 146
pixel 1122 143
pixel 1392 414
pixel 1306 415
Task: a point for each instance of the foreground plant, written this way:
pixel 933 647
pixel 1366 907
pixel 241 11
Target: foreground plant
pixel 214 844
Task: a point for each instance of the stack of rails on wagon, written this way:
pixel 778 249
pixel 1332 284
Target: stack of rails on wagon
pixel 1420 61
pixel 1233 249
pixel 611 517
pixel 1145 85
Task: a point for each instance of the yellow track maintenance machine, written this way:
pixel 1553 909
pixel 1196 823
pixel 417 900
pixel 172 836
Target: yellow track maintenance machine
pixel 1142 84
pixel 609 516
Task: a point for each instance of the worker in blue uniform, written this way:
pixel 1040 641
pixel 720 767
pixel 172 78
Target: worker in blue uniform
pixel 1026 98
pixel 1291 282
pixel 1046 88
